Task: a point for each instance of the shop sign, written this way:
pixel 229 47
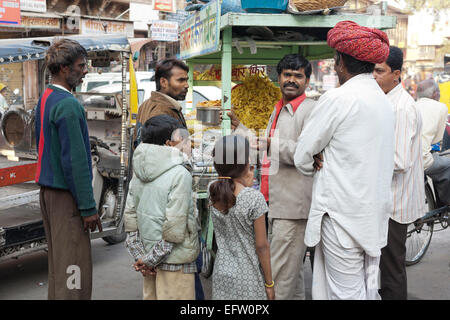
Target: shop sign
pixel 178 16
pixel 10 12
pixel 41 23
pixel 89 26
pixel 33 5
pixel 200 33
pixel 164 5
pixel 164 30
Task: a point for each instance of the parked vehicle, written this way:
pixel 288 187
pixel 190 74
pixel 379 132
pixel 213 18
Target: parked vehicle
pixel 22 233
pixel 420 231
pixel 96 80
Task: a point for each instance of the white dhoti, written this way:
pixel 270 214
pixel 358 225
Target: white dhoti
pixel 342 273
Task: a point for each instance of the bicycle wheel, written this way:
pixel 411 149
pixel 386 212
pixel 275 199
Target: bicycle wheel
pixel 417 242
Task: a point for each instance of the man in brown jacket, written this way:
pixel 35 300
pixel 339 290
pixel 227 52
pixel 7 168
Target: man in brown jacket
pixel 171 77
pixel 287 191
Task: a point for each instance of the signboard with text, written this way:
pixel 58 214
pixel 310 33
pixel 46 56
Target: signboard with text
pixel 200 33
pixel 164 30
pixel 90 26
pixel 41 23
pixel 164 5
pixel 33 5
pixel 10 12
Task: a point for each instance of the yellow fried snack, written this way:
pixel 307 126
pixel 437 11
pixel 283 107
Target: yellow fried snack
pixel 253 101
pixel 210 104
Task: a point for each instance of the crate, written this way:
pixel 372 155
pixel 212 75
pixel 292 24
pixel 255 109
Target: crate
pixel 264 6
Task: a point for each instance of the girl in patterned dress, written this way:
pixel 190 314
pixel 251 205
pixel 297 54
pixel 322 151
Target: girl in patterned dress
pixel 242 267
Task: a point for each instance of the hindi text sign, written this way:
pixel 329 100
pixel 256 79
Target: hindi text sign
pixel 164 30
pixel 200 33
pixel 33 5
pixel 10 12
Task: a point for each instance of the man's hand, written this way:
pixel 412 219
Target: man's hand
pixel 264 143
pixel 92 222
pixel 260 144
pixel 318 161
pixel 234 119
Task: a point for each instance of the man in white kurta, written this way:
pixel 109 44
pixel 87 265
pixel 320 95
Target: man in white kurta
pixel 408 180
pixel 353 128
pixel 434 117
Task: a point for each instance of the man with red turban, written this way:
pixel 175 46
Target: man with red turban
pixel 347 144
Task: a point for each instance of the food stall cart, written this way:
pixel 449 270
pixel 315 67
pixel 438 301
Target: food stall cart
pixel 209 38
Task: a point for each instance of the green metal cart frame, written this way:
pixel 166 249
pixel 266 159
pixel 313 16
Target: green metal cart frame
pixel 223 49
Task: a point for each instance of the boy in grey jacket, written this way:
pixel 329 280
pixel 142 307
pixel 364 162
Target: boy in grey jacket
pixel 159 214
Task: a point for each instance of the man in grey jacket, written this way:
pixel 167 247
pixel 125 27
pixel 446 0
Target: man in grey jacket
pixel 287 191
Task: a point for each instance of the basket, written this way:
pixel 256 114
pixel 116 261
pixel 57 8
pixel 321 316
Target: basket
pixel 309 5
pixel 264 6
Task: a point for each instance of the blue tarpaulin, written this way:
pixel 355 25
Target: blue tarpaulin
pixel 26 49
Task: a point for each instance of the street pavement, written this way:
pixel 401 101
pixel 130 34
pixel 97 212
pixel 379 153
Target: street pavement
pixel 26 277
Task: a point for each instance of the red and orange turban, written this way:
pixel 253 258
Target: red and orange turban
pixel 362 43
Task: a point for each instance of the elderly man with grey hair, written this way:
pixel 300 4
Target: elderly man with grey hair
pixel 434 116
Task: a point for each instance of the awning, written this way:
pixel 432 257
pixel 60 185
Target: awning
pixel 41 15
pixel 26 49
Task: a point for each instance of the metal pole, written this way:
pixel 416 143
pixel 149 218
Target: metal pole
pixel 226 79
pixel 123 142
pixel 190 94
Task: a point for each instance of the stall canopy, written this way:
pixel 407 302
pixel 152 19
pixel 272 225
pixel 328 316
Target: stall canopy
pixel 26 49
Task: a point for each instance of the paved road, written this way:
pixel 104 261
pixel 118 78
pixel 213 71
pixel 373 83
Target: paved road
pixel 26 277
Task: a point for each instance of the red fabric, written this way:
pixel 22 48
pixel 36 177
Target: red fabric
pixel 362 43
pixel 41 134
pixel 266 163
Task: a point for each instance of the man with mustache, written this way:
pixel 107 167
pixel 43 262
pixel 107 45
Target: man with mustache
pixel 64 172
pixel 287 191
pixel 171 77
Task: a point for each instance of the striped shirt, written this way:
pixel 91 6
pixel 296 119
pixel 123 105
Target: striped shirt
pixel 408 191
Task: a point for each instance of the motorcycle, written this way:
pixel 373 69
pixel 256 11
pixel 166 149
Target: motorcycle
pixel 106 174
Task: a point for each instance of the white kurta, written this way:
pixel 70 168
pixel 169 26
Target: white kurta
pixel 408 190
pixel 434 117
pixel 353 126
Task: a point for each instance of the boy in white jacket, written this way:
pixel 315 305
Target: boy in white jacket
pixel 159 214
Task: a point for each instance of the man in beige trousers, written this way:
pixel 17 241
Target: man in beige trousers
pixel 287 191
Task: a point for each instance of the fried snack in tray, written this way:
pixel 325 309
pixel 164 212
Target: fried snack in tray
pixel 210 104
pixel 253 101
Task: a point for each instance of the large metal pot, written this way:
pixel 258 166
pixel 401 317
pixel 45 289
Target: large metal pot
pixel 209 116
pixel 17 129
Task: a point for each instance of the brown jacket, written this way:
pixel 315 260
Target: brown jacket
pixel 290 191
pixel 159 103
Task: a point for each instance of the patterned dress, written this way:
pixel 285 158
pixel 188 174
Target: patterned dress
pixel 237 272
